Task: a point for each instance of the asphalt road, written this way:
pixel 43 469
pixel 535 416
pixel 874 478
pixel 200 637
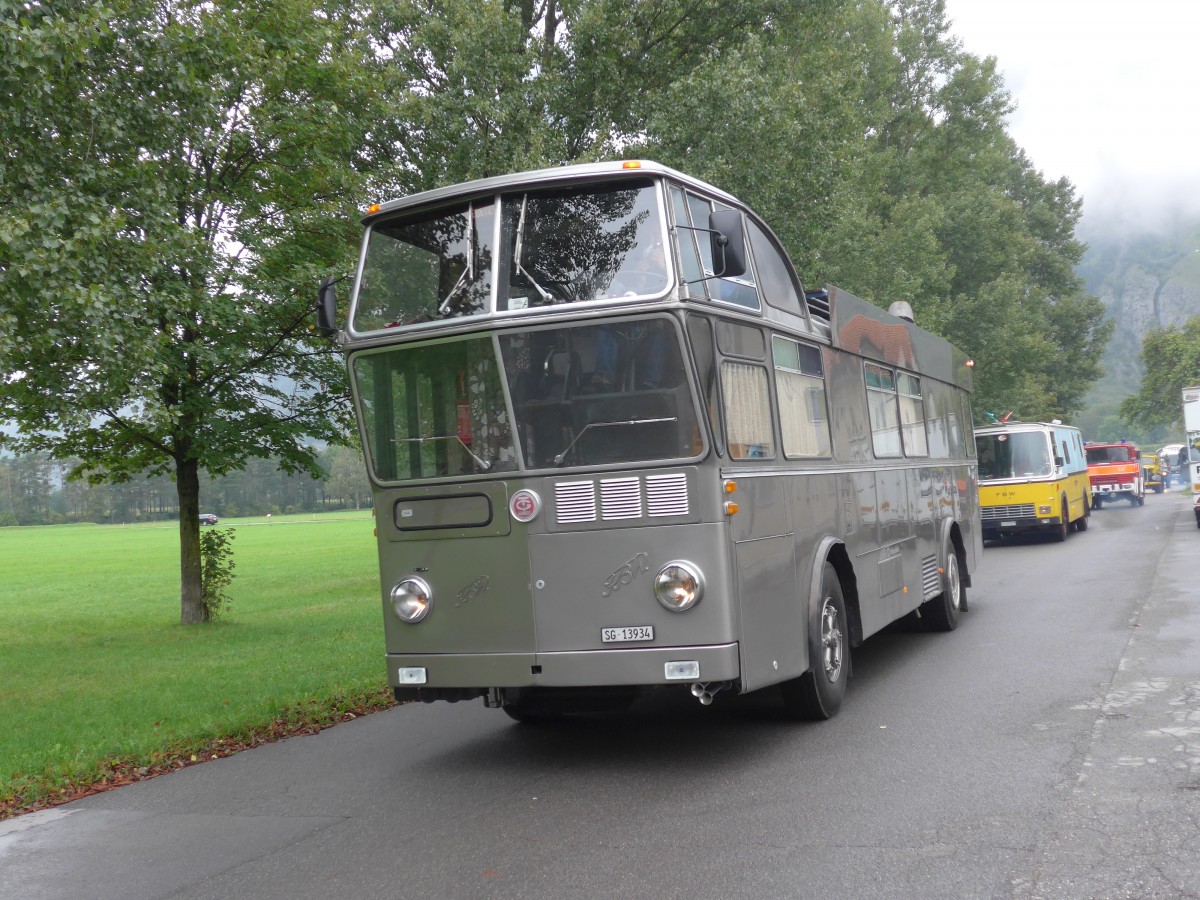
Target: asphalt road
pixel 1050 747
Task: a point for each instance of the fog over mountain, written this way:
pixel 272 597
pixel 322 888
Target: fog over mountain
pixel 1143 262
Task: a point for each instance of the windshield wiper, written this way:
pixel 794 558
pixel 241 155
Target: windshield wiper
pixel 482 463
pixel 518 245
pixel 468 274
pixel 561 456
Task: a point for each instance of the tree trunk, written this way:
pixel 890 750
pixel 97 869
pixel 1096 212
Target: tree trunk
pixel 187 486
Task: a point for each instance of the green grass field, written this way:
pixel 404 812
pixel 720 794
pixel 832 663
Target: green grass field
pixel 96 671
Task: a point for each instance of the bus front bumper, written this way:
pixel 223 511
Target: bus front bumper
pixel 993 528
pixel 626 666
pixel 1107 490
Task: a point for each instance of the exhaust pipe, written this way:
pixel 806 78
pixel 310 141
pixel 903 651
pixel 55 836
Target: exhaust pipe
pixel 705 691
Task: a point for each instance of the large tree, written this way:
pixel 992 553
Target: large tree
pixel 1171 357
pixel 877 150
pixel 175 176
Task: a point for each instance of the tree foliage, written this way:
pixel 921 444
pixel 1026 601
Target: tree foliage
pixel 1171 357
pixel 176 175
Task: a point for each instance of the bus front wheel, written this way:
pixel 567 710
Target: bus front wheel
pixel 941 612
pixel 818 693
pixel 1082 523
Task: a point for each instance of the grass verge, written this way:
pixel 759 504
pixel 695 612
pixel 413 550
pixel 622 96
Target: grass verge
pixel 100 684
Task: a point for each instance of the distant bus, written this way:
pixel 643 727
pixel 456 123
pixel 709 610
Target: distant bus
pixel 615 446
pixel 1033 478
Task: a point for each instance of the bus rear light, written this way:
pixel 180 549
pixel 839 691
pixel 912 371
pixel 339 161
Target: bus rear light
pixel 411 599
pixel 730 486
pixel 731 508
pixel 679 586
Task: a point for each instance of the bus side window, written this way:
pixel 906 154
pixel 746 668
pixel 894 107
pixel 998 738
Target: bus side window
pixel 701 333
pixel 689 253
pixel 883 411
pixel 912 415
pixel 747 411
pixel 775 278
pixel 800 387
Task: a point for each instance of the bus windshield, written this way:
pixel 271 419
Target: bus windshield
pixel 579 395
pixel 549 247
pixel 1018 454
pixel 1123 453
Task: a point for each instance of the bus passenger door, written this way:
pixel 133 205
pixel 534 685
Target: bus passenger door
pixel 772 613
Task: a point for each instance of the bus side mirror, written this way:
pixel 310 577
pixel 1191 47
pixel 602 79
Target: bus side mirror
pixel 728 237
pixel 327 307
pixel 1058 462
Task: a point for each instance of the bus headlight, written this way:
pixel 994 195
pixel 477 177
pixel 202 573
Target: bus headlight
pixel 679 586
pixel 411 599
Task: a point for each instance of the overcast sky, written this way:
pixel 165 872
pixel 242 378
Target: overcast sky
pixel 1107 92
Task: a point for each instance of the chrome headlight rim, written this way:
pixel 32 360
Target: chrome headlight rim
pixel 679 586
pixel 412 598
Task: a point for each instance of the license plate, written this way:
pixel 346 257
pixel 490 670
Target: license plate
pixel 1012 524
pixel 624 633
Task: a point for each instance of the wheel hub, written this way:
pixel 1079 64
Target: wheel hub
pixel 831 640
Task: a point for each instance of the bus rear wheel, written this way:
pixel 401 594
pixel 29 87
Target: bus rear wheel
pixel 818 693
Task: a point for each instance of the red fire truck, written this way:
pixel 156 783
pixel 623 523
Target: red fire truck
pixel 1115 471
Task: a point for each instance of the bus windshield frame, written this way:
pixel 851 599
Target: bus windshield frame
pixel 608 393
pixel 1014 455
pixel 515 251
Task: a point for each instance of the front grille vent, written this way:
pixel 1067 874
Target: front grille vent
pixel 988 513
pixel 621 499
pixel 575 501
pixel 666 495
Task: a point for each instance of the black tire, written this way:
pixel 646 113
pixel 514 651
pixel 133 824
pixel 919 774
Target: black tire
pixel 818 693
pixel 1097 502
pixel 1064 525
pixel 1140 500
pixel 1082 523
pixel 940 613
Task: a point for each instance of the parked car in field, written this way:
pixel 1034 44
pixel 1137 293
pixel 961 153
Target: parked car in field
pixel 208 519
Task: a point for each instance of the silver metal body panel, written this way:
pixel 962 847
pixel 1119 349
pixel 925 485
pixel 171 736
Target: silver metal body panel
pixel 519 605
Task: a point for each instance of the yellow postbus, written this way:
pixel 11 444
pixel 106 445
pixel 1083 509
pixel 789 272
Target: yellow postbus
pixel 1033 477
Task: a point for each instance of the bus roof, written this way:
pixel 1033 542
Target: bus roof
pixel 559 175
pixel 997 427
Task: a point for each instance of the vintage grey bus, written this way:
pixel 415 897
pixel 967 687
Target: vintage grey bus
pixel 614 446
